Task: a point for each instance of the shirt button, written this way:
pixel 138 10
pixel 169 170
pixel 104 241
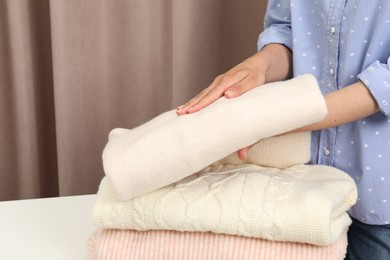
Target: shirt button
pixel 332 29
pixel 331 71
pixel 326 151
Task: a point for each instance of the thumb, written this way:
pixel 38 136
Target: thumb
pixel 243 153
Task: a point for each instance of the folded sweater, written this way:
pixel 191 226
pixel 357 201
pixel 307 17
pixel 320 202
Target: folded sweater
pixel 301 203
pixel 170 147
pixel 111 244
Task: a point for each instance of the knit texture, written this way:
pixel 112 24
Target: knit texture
pixel 172 245
pixel 302 203
pixel 170 147
pixel 277 152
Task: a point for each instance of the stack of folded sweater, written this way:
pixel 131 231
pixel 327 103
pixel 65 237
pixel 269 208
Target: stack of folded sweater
pixel 175 189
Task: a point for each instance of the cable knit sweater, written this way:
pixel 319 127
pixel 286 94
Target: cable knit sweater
pixel 299 204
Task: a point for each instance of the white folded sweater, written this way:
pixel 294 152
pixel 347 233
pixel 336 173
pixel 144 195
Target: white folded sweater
pixel 170 147
pixel 301 203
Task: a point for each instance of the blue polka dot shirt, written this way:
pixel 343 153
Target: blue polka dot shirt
pixel 341 42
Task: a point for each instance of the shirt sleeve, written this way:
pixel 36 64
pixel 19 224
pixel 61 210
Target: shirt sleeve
pixel 376 77
pixel 277 24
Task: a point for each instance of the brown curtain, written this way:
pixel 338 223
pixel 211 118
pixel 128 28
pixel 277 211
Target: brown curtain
pixel 71 70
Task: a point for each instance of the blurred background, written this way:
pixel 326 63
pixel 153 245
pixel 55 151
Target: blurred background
pixel 72 70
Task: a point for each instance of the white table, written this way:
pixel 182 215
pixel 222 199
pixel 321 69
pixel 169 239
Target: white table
pixel 53 228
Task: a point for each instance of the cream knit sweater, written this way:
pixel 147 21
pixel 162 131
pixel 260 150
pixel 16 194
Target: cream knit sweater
pixel 298 204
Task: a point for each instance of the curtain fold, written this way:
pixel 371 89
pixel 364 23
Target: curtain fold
pixel 72 70
pixel 28 146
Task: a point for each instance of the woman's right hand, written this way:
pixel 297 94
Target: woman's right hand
pixel 241 78
pixel 272 63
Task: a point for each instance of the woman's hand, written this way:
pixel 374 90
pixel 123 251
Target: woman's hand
pixel 233 83
pixel 241 78
pixel 272 63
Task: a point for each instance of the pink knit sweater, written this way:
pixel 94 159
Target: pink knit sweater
pixel 110 244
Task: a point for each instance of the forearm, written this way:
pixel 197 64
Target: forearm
pixel 344 106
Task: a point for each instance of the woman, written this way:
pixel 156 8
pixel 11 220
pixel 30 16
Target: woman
pixel 346 45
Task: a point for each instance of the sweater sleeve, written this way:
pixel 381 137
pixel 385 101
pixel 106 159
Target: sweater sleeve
pixel 277 24
pixel 376 77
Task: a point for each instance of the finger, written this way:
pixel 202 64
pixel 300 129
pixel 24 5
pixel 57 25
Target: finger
pixel 216 91
pixel 181 110
pixel 205 98
pixel 213 92
pixel 243 153
pixel 243 86
pixel 184 108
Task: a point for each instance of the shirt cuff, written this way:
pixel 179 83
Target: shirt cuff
pixel 376 77
pixel 275 34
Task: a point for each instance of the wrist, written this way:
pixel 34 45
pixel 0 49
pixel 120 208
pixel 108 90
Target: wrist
pixel 277 60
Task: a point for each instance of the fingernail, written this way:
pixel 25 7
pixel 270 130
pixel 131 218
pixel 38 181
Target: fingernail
pixel 179 107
